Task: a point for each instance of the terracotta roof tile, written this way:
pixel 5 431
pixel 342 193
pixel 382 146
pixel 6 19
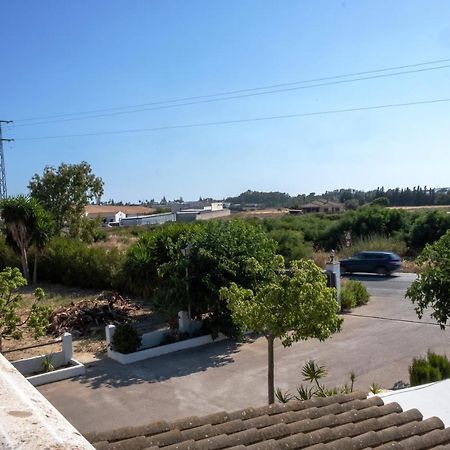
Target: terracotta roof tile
pixel 342 422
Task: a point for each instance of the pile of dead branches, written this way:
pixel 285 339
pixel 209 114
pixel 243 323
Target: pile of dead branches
pixel 82 317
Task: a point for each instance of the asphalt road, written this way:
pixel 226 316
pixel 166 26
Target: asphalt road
pixel 378 343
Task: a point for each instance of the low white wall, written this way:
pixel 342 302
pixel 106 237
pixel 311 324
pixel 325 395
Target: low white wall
pixel 154 338
pixel 28 421
pixel 140 355
pixel 30 366
pixel 76 369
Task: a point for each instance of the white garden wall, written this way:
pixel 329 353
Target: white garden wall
pixel 140 355
pixel 29 366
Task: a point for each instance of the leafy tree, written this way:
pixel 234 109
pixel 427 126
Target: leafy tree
pixel 12 323
pixel 41 236
pixel 432 287
pixel 292 307
pixel 220 252
pixel 65 192
pixel 25 222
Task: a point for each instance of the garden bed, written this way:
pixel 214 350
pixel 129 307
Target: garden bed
pixel 156 337
pixel 37 369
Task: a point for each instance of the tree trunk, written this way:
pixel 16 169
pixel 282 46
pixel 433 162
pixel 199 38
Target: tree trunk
pixel 270 369
pixel 24 260
pixel 35 267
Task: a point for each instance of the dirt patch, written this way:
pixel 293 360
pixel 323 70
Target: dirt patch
pixel 90 344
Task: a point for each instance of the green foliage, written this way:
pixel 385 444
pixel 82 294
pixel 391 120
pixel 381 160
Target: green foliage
pixel 126 339
pixel 11 322
pixel 375 388
pixel 380 201
pixel 65 191
pixel 8 257
pixel 291 244
pixel 353 293
pixel 428 227
pixel 348 299
pixel 427 370
pixel 432 287
pixel 220 252
pixel 47 363
pixel 25 223
pixel 291 307
pixel 70 262
pixel 314 373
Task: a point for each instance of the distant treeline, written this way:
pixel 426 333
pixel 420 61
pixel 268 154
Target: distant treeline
pixel 352 198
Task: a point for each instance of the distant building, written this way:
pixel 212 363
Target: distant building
pixel 151 219
pixel 193 214
pixel 114 214
pixel 319 206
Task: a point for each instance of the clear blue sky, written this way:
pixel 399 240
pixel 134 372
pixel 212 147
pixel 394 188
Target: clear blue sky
pixel 69 56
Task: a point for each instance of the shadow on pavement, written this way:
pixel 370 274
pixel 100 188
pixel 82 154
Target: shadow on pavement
pixel 109 373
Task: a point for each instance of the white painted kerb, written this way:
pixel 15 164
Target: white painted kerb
pixel 28 421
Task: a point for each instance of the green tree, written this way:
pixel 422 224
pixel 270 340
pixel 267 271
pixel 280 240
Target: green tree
pixel 23 218
pixel 41 236
pixel 431 289
pixel 292 307
pixel 12 323
pixel 220 252
pixel 65 192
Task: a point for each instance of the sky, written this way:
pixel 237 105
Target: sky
pixel 61 57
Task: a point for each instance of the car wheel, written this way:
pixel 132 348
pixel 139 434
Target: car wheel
pixel 382 271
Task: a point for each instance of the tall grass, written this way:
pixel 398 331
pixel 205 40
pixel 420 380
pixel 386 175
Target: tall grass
pixel 374 243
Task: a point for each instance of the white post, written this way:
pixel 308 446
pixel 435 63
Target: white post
pixel 109 333
pixel 67 347
pixel 335 268
pixel 184 323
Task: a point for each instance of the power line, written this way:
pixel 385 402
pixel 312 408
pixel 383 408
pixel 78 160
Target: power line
pixel 229 95
pixel 230 122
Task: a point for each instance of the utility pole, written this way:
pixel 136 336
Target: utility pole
pixel 3 191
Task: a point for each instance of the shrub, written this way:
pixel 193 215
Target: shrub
pixel 7 256
pixel 441 362
pixel 359 290
pixel 126 339
pixel 348 300
pixel 427 370
pixel 353 293
pixel 71 262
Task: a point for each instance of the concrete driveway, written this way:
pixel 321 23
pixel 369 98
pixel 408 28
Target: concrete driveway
pixel 377 343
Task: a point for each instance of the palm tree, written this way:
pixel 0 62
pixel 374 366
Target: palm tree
pixel 21 216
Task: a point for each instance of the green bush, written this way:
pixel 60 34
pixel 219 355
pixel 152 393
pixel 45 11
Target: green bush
pixel 441 362
pixel 71 262
pixel 7 256
pixel 359 290
pixel 126 339
pixel 427 370
pixel 348 300
pixel 353 293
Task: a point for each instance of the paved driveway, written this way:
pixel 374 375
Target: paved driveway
pixel 224 376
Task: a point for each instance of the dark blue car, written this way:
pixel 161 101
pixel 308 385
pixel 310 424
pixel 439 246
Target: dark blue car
pixel 382 263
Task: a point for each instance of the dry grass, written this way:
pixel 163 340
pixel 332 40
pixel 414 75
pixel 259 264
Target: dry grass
pixel 410 266
pixel 87 347
pixel 425 207
pixel 320 258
